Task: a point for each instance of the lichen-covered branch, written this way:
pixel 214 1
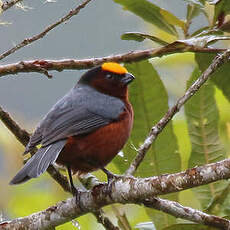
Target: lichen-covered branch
pixel 175 209
pixel 28 41
pixel 217 62
pixel 42 66
pixel 132 190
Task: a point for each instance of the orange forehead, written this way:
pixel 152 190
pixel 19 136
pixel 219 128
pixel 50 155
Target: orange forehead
pixel 114 67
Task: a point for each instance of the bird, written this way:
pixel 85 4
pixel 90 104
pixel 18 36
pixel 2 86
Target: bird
pixel 86 128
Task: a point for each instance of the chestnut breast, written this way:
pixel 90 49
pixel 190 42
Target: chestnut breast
pixel 95 150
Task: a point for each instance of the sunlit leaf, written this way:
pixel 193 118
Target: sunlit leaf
pixel 149 12
pixel 141 37
pixel 146 226
pixel 172 19
pixel 202 117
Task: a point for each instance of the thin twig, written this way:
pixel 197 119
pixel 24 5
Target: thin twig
pixel 28 41
pixel 218 61
pixel 8 4
pixel 40 66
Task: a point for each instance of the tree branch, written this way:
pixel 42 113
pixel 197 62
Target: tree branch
pixel 175 209
pixel 28 41
pixel 132 190
pixel 8 4
pixel 217 62
pixel 40 66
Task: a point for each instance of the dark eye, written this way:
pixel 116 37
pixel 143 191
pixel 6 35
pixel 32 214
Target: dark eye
pixel 109 75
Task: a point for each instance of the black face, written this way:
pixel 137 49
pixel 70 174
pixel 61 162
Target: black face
pixel 97 74
pixel 124 79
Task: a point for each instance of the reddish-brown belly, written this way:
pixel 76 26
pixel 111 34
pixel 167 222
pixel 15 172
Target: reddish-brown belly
pixel 93 151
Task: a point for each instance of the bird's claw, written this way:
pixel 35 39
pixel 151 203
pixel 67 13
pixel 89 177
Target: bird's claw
pixel 110 178
pixel 77 194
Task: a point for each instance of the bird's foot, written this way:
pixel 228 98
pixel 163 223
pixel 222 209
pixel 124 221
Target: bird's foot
pixel 110 178
pixel 77 194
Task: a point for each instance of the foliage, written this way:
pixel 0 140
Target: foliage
pixel 202 113
pixel 198 135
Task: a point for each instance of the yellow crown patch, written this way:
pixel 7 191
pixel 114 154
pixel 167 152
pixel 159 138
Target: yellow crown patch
pixel 114 67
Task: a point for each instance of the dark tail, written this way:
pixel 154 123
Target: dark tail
pixel 39 162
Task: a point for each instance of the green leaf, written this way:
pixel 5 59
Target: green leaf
pixel 141 37
pixel 172 19
pixel 219 199
pixel 150 102
pixel 151 13
pixel 202 117
pixel 221 7
pixel 192 11
pixel 219 77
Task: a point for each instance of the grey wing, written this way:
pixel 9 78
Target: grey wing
pixel 74 122
pixel 81 111
pixel 39 162
pixel 35 139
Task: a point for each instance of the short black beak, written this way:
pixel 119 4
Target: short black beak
pixel 127 78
